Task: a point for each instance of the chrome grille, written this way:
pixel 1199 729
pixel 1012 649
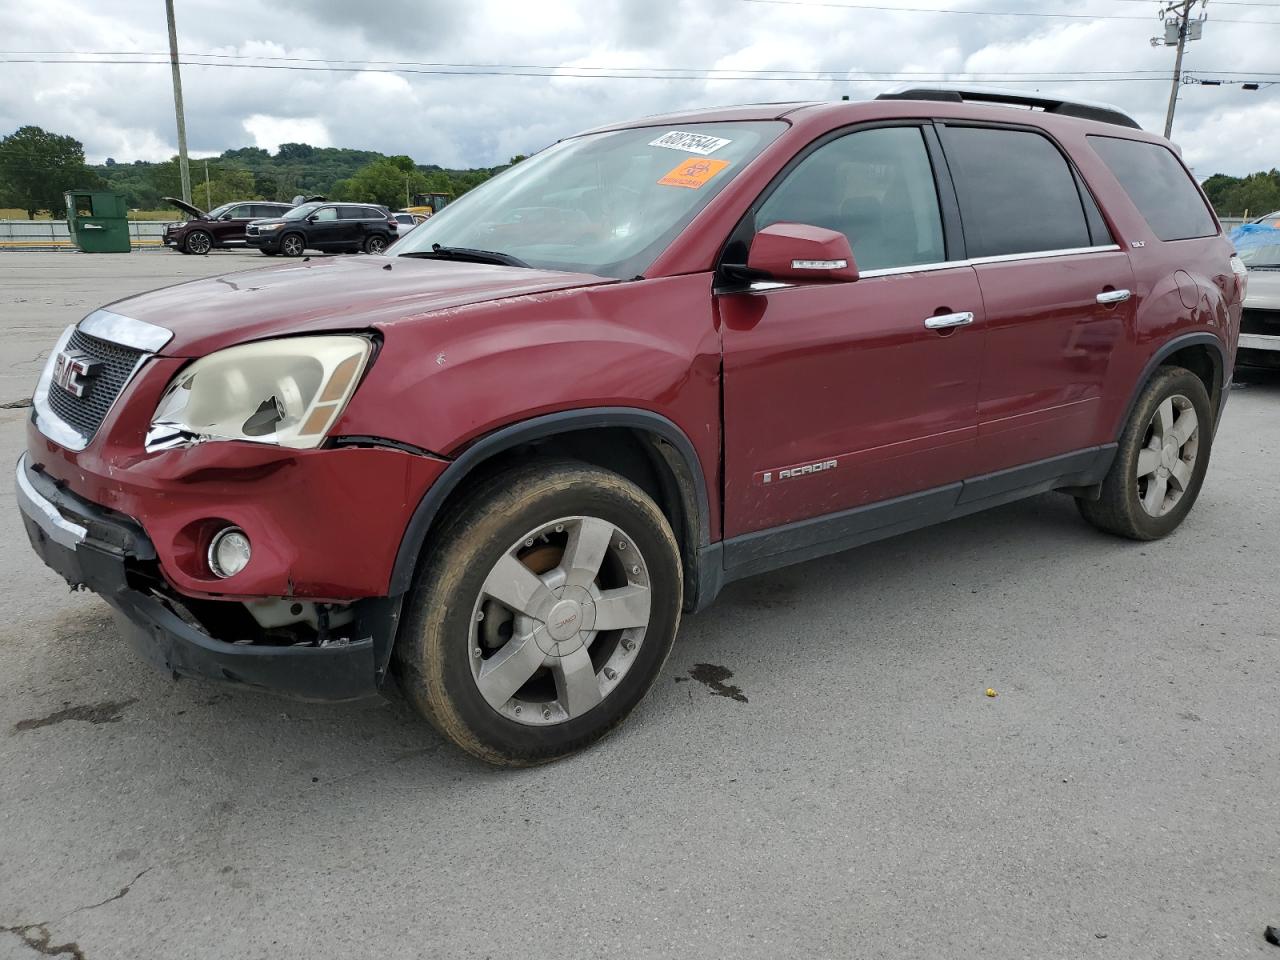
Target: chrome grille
pixel 117 363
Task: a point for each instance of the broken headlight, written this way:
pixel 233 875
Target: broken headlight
pixel 286 392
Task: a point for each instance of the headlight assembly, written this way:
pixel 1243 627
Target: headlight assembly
pixel 264 228
pixel 285 392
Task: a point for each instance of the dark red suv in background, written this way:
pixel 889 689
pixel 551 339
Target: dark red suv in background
pixel 498 464
pixel 221 227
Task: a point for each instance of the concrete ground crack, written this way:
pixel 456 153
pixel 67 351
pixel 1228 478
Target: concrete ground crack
pixel 39 937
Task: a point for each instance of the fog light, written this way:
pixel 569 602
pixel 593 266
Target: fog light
pixel 229 552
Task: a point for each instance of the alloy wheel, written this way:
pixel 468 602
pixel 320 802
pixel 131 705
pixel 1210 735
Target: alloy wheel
pixel 291 246
pixel 199 243
pixel 559 621
pixel 1167 460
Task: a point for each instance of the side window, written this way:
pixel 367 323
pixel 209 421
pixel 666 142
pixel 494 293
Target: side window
pixel 351 213
pixel 326 213
pixel 1017 192
pixel 261 211
pixel 1159 187
pixel 368 213
pixel 242 212
pixel 876 187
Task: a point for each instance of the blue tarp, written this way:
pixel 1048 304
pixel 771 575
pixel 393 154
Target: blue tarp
pixel 1250 236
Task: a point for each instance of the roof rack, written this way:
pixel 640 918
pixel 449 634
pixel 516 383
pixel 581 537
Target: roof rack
pixel 1083 109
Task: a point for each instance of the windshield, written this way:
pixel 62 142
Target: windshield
pixel 215 214
pixel 297 213
pixel 604 203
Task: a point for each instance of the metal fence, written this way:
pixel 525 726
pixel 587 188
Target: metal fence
pixel 54 235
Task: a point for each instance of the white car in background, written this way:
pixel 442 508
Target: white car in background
pixel 407 222
pixel 1260 325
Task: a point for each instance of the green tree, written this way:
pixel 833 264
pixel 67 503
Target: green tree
pixel 37 166
pixel 389 182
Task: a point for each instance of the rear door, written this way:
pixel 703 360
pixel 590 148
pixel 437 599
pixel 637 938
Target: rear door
pixel 842 395
pixel 1056 288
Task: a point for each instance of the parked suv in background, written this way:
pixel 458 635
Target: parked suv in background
pixel 222 227
pixel 497 464
pixel 333 227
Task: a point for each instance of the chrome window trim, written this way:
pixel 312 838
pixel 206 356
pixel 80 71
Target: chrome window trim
pixel 125 331
pixel 979 261
pixel 1038 254
pixel 55 526
pixel 766 286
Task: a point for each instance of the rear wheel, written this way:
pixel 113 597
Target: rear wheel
pixel 375 243
pixel 1161 461
pixel 198 242
pixel 546 610
pixel 292 245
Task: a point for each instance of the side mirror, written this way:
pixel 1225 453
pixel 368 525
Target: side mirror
pixel 312 219
pixel 800 253
pixel 225 216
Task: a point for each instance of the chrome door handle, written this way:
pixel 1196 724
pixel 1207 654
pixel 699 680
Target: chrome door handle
pixel 948 320
pixel 1114 296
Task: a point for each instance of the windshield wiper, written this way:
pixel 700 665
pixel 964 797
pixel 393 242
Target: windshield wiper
pixel 439 252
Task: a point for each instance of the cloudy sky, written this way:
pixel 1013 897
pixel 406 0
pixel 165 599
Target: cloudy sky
pixel 575 49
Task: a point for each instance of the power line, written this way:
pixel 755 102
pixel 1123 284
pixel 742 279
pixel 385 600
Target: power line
pixel 829 77
pixel 979 13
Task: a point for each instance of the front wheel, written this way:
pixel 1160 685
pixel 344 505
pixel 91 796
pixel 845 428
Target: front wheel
pixel 1161 461
pixel 198 242
pixel 545 611
pixel 292 245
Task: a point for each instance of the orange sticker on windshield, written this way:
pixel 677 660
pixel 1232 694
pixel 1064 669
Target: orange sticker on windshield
pixel 693 172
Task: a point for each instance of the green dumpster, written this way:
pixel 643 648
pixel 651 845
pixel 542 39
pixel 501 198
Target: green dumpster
pixel 98 221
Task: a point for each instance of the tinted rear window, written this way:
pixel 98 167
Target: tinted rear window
pixel 1017 192
pixel 1159 187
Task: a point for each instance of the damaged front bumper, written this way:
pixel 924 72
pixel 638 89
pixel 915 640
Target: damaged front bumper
pixel 110 554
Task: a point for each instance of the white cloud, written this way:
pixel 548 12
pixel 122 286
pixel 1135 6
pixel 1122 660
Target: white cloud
pixel 127 111
pixel 269 132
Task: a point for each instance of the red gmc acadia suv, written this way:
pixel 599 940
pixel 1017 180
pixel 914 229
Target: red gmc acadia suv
pixel 497 463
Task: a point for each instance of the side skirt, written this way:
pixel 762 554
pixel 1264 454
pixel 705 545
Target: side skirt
pixel 765 550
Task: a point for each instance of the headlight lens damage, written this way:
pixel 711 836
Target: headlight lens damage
pixel 285 392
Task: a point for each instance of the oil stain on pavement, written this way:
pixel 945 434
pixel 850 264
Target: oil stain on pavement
pixel 105 712
pixel 714 678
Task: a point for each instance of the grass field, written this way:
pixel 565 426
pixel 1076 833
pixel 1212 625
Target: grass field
pixel 10 213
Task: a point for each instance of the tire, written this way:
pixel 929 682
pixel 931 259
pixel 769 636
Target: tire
pixel 456 635
pixel 198 242
pixel 1152 504
pixel 375 243
pixel 292 245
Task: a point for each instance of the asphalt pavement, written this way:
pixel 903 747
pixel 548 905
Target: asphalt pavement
pixel 817 773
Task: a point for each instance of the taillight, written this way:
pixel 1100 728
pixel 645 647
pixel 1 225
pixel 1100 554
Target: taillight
pixel 1242 276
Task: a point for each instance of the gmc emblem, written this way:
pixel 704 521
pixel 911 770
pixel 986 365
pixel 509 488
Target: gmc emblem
pixel 71 371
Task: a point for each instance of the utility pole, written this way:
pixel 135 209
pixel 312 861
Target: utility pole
pixel 208 193
pixel 1178 29
pixel 183 167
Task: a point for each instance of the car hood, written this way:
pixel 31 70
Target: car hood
pixel 1264 289
pixel 328 294
pixel 193 212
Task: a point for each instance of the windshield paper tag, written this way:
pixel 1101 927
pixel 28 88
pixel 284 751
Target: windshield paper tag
pixel 693 173
pixel 690 142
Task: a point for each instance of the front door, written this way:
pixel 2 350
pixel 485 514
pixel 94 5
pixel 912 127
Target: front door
pixel 327 229
pixel 844 395
pixel 1056 289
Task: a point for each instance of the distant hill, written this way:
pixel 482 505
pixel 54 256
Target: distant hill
pixel 253 173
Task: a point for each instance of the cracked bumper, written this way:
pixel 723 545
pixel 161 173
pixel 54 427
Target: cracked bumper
pixel 92 547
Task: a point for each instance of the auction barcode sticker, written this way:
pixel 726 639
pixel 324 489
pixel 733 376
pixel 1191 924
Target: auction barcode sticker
pixel 698 143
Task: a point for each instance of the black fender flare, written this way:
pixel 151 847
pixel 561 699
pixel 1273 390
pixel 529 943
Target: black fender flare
pixel 1163 353
pixel 526 431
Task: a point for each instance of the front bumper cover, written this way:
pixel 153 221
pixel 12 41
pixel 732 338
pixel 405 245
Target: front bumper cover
pixel 92 547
